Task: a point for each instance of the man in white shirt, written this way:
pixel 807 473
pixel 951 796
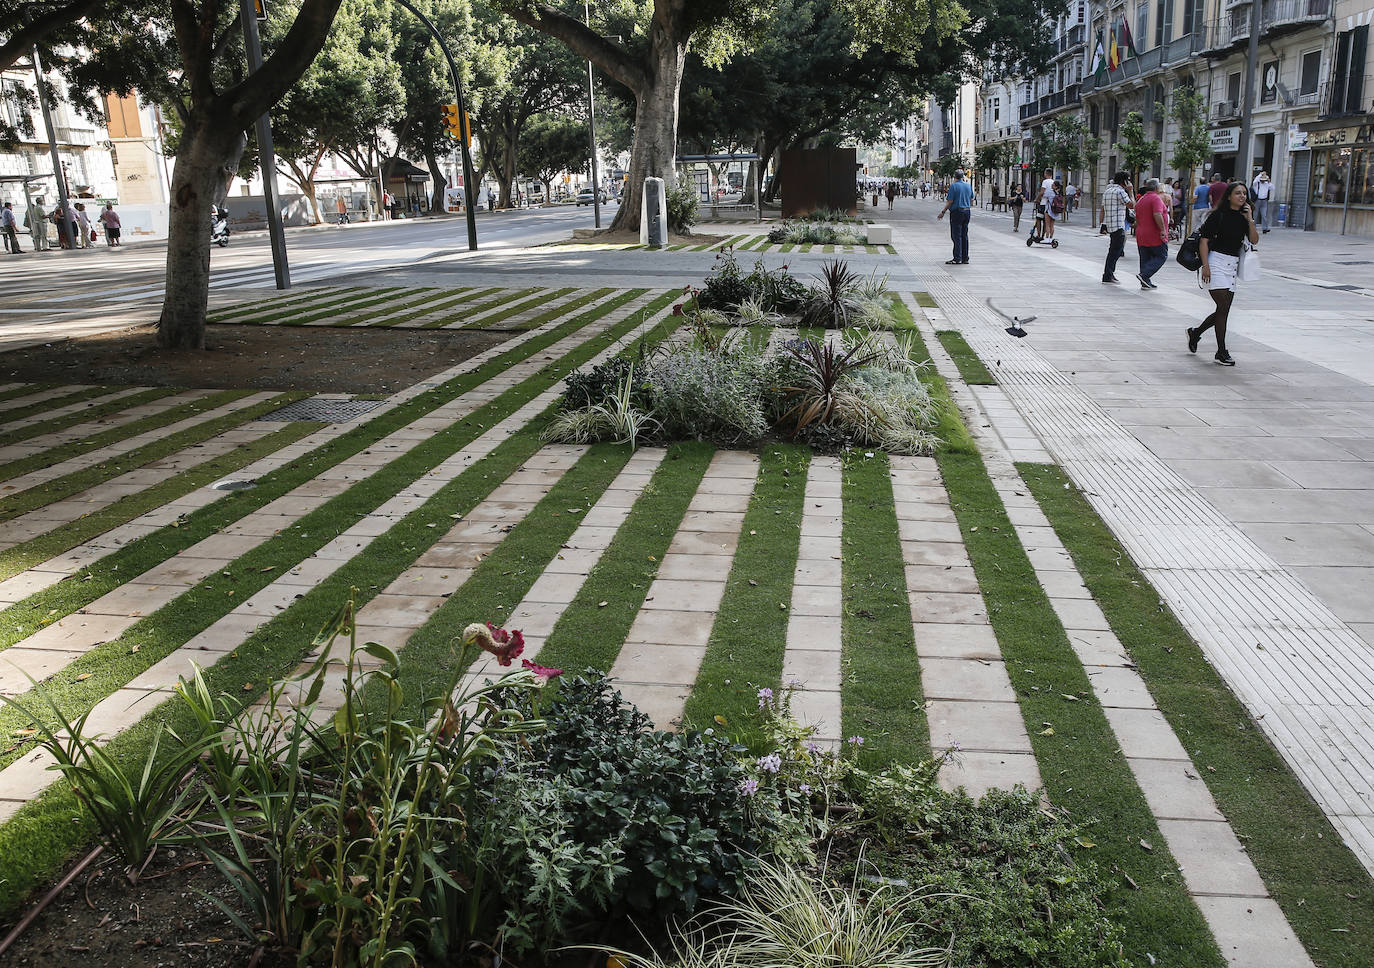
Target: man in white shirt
pixel 1261 191
pixel 1044 202
pixel 9 229
pixel 1070 199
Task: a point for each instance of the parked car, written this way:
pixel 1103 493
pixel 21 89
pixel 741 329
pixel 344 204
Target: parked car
pixel 584 197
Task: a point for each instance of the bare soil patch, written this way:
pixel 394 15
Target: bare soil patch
pixel 258 357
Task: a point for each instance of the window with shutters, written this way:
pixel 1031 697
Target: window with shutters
pixel 1311 75
pixel 1347 75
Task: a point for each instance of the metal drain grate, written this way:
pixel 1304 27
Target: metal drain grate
pixel 326 409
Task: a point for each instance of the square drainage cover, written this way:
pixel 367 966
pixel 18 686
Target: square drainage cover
pixel 326 409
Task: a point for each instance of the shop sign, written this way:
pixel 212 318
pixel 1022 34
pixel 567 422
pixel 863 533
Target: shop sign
pixel 1340 137
pixel 1297 139
pixel 1225 139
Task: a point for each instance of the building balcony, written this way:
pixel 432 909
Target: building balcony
pixel 1071 42
pixel 1068 97
pixel 1134 68
pixel 74 136
pixel 1231 31
pixel 1224 111
pixel 1006 132
pixel 1342 99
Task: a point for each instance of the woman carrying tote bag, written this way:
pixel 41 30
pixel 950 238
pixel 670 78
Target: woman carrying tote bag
pixel 1223 239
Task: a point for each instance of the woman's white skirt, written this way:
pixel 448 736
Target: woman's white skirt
pixel 1223 268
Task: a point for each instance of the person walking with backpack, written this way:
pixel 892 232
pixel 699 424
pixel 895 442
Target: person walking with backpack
pixel 1044 202
pixel 1151 233
pixel 1223 237
pixel 1116 202
pixel 958 203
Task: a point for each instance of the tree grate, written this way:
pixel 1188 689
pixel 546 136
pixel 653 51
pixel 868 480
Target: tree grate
pixel 323 409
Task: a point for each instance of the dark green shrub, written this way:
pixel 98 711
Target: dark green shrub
pixel 777 289
pixel 671 803
pixel 725 286
pixel 682 208
pixel 594 386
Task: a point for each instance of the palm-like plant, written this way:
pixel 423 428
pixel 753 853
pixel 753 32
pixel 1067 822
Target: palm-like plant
pixel 818 393
pixel 831 303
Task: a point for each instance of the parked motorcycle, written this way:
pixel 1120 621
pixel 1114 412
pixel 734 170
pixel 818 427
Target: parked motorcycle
pixel 219 227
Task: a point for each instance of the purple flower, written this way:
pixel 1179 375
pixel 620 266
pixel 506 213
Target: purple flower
pixel 765 697
pixel 804 789
pixel 749 787
pixel 813 748
pixel 856 740
pixel 770 763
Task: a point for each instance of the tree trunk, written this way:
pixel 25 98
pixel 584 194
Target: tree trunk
pixel 438 201
pixel 198 183
pixel 655 136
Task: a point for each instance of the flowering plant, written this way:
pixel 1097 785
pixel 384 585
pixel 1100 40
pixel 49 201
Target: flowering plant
pixel 506 646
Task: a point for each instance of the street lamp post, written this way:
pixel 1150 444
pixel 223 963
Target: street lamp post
pixel 469 189
pixel 267 158
pixel 58 174
pixel 591 127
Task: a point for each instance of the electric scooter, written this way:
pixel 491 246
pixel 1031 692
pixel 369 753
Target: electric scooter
pixel 1037 232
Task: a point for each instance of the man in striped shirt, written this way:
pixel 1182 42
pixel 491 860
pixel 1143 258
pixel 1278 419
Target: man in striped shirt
pixel 1116 202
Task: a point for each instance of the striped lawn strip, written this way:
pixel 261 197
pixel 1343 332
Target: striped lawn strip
pixel 42 834
pixel 503 298
pixel 488 322
pixel 50 400
pixel 330 299
pixel 881 696
pixel 587 297
pixel 229 311
pixel 454 297
pixel 289 305
pixel 674 248
pixel 20 619
pixel 135 397
pixel 415 302
pixel 25 389
pixel 1322 887
pixel 469 295
pixel 787 247
pixel 485 297
pixel 589 634
pixel 701 248
pixel 198 607
pixel 352 313
pixel 301 314
pixel 872 250
pixel 38 550
pixel 44 392
pixel 104 438
pixel 1081 763
pixel 62 487
pixel 890 250
pixel 22 430
pixel 749 637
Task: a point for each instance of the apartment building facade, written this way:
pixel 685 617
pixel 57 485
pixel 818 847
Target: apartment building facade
pixel 1311 112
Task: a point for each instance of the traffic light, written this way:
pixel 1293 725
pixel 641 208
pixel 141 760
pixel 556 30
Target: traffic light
pixel 453 127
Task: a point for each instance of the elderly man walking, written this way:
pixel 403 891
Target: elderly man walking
pixel 959 205
pixel 1116 202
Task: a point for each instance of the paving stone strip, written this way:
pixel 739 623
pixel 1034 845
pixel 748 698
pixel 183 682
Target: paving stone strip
pixel 970 704
pixel 442 312
pixel 27 776
pixel 1247 923
pixel 438 299
pixel 506 301
pixel 525 310
pixel 92 458
pixel 334 302
pixel 225 311
pixel 357 311
pixel 812 659
pixel 55 515
pixel 69 435
pixel 662 654
pixel 60 567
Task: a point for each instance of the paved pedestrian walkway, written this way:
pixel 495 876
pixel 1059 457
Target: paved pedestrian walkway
pixel 1246 494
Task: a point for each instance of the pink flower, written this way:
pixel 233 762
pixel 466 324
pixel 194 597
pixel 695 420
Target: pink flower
pixel 542 673
pixel 506 646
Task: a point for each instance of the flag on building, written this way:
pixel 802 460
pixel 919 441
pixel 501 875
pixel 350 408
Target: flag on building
pixel 1113 53
pixel 1099 58
pixel 1127 47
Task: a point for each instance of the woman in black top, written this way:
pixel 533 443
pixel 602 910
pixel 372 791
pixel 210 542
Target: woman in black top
pixel 1016 203
pixel 1224 234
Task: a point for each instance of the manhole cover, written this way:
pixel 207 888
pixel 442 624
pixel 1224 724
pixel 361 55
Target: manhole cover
pixel 233 485
pixel 326 410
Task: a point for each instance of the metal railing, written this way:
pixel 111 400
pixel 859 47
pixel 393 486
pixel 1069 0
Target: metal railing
pixel 1226 111
pixel 1071 95
pixel 1341 99
pixel 1233 28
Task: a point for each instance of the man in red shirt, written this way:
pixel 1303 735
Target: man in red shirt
pixel 1151 233
pixel 1216 189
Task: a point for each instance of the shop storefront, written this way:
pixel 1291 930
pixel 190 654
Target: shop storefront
pixel 1341 187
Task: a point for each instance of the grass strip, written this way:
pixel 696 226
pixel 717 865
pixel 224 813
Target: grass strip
pixel 890 249
pixel 485 295
pixel 881 695
pixel 255 306
pixel 8 417
pixel 39 495
pixel 950 428
pixel 111 664
pixel 361 313
pixel 1079 758
pixel 749 636
pixel 925 300
pixel 287 308
pixel 590 296
pixel 1323 889
pixel 24 390
pixel 93 412
pixel 593 627
pixel 970 367
pixel 465 295
pixel 519 305
pixel 20 619
pixel 113 435
pixel 347 309
pixel 38 550
pixel 432 303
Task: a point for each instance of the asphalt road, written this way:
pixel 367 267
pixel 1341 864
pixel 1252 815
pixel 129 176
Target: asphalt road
pixel 57 284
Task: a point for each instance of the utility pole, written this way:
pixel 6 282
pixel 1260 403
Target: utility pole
pixel 249 12
pixel 591 126
pixel 1246 150
pixel 57 173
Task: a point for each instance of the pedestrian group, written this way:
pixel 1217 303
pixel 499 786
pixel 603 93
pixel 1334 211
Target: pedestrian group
pixel 73 225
